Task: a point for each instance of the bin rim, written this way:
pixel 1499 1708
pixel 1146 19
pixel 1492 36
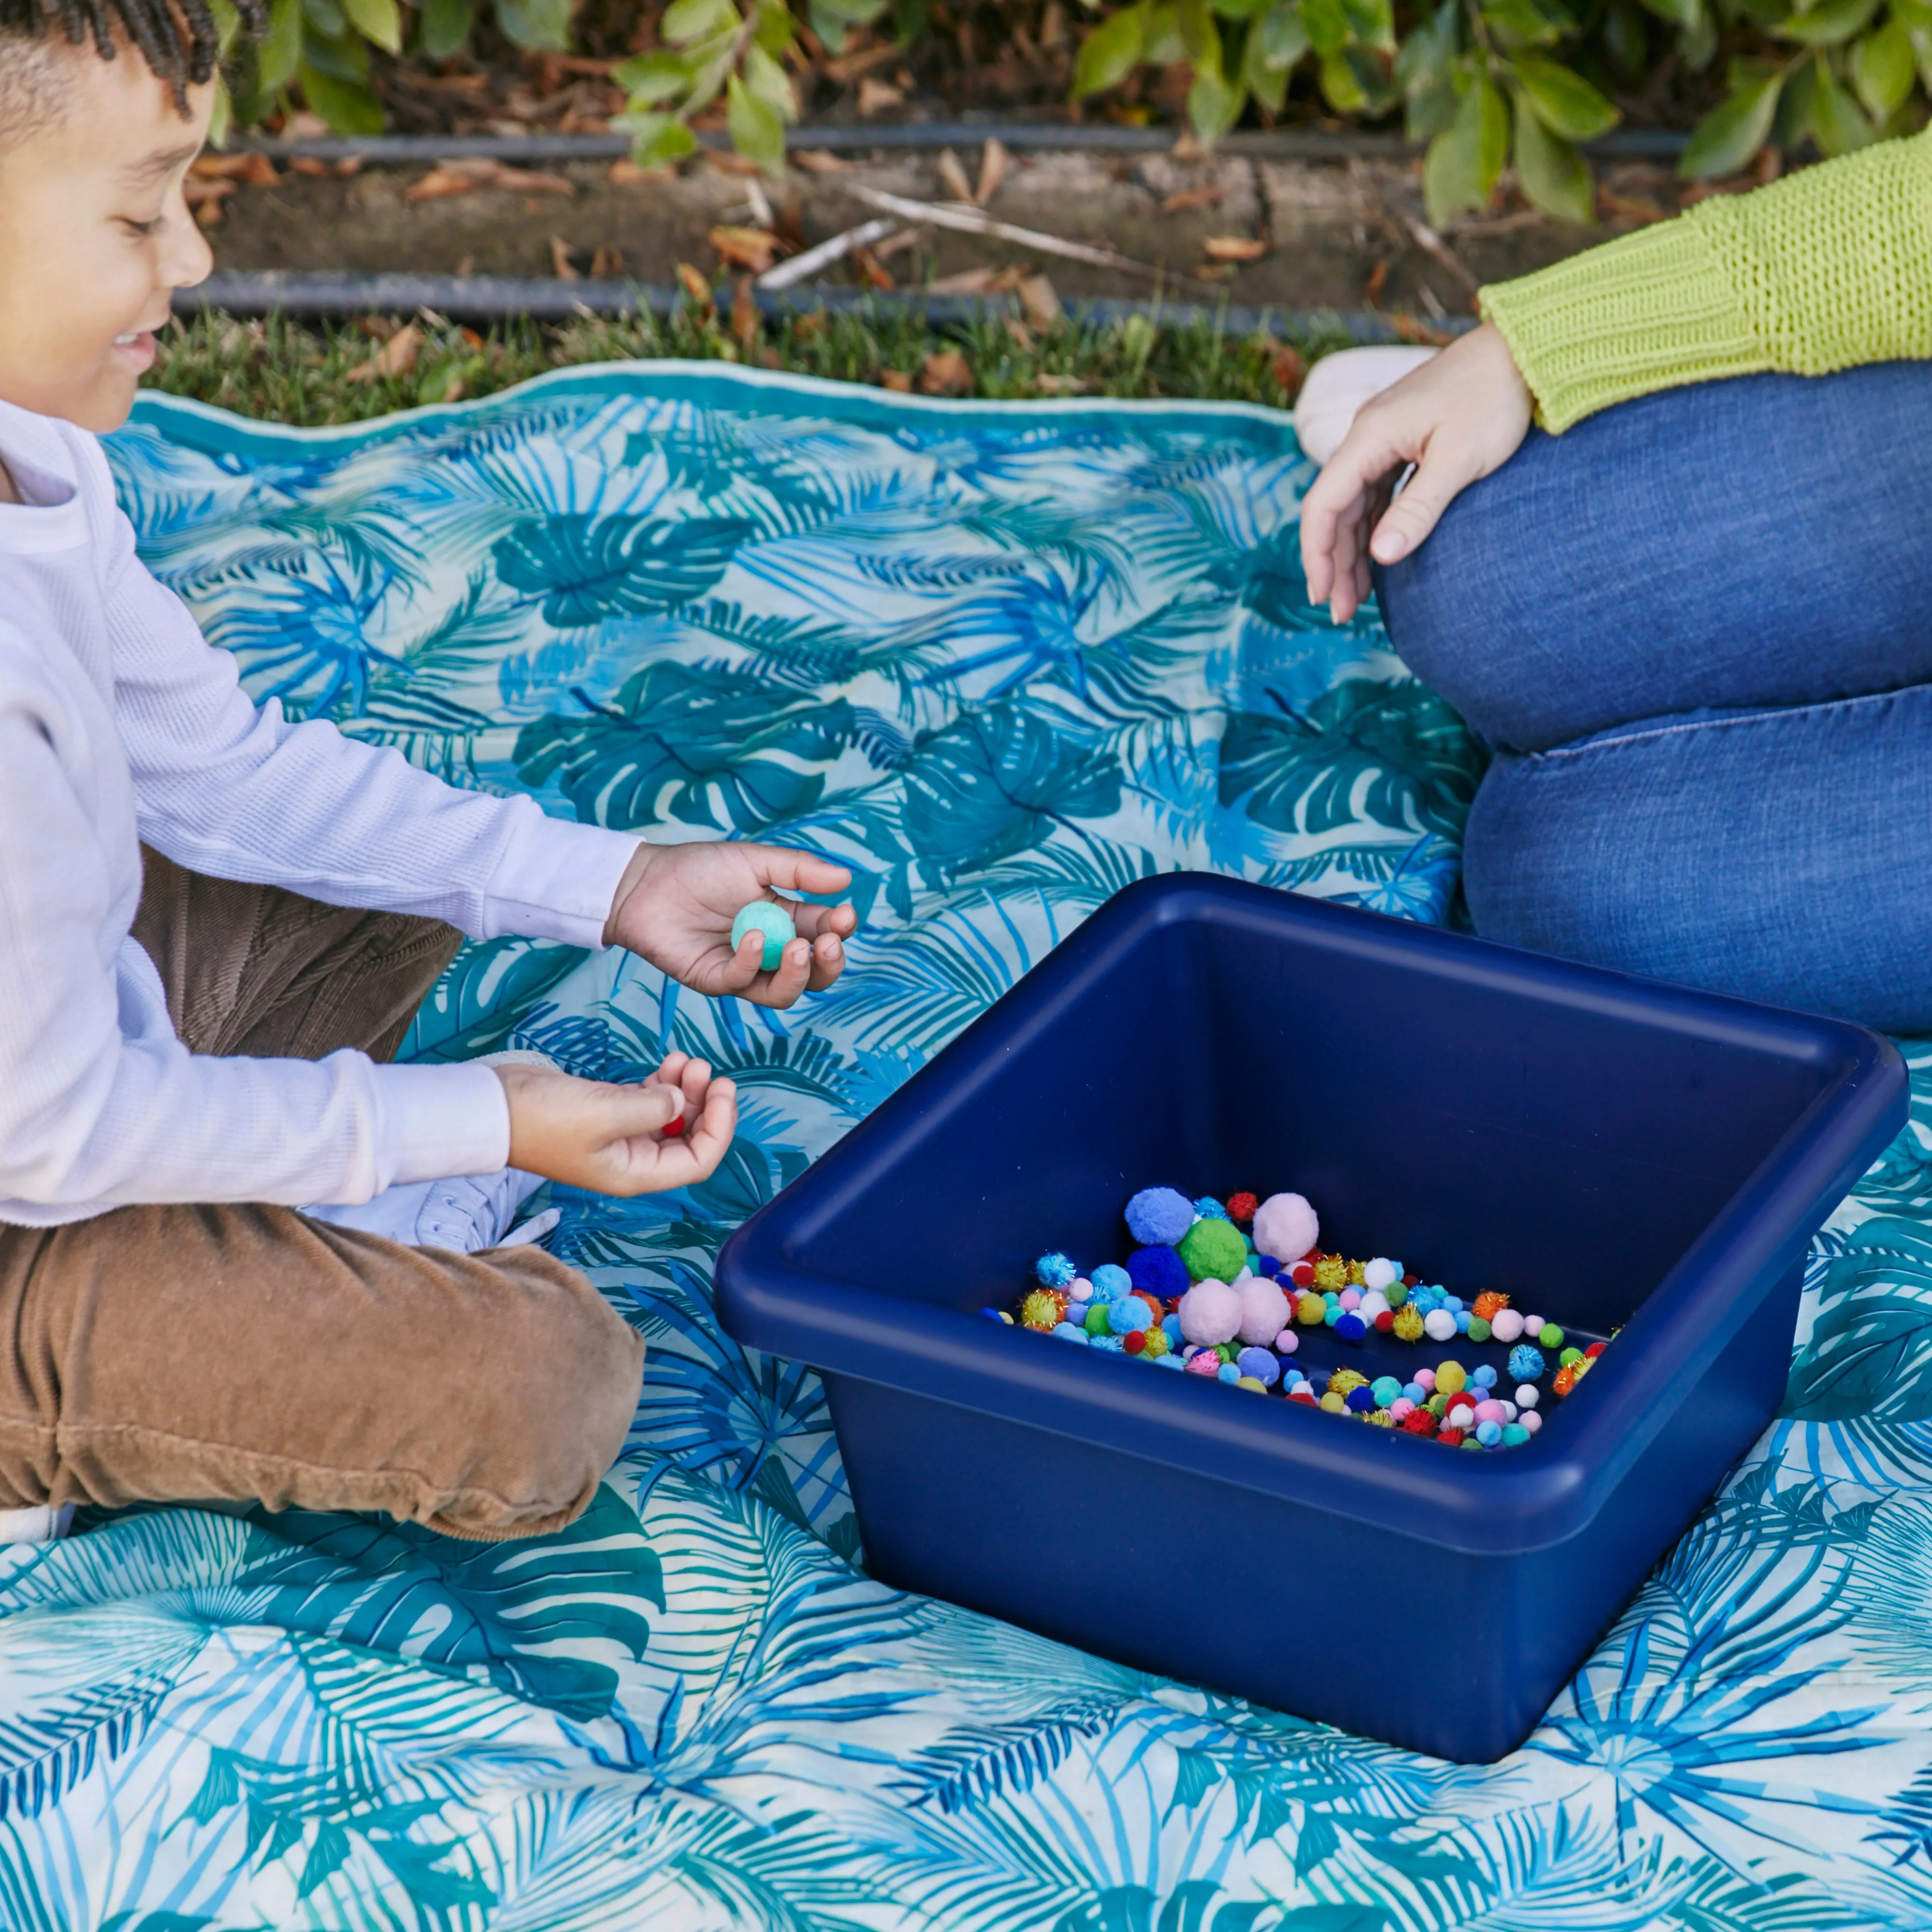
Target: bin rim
pixel 1541 1493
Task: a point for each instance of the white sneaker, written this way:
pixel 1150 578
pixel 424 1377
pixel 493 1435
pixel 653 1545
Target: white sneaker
pixel 1339 385
pixel 466 1214
pixel 43 1523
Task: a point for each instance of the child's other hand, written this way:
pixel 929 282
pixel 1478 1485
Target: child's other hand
pixel 675 905
pixel 1457 417
pixel 607 1139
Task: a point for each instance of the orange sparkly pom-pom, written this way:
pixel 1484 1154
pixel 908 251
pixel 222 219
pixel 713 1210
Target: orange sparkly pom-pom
pixel 1490 1304
pixel 1566 1380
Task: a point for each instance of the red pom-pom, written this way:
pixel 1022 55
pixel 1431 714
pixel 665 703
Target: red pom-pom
pixel 1595 1349
pixel 676 1127
pixel 1302 1274
pixel 1411 1280
pixel 1453 1437
pixel 1134 1341
pixel 1241 1208
pixel 1418 1422
pixel 1174 1304
pixel 1301 1395
pixel 1384 1321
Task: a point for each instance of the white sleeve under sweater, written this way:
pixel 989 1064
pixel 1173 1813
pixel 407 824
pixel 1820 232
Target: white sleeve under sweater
pixel 118 723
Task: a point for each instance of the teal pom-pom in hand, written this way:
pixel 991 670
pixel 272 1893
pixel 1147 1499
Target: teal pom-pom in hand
pixel 773 921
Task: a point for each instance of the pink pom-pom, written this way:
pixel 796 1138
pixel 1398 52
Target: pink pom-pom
pixel 1531 1420
pixel 1207 1363
pixel 1264 1312
pixel 1211 1312
pixel 1425 1378
pixel 1350 1299
pixel 1400 1407
pixel 1287 1342
pixel 1490 1411
pixel 1285 1227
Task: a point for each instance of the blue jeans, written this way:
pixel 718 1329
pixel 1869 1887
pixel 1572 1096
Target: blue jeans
pixel 1697 632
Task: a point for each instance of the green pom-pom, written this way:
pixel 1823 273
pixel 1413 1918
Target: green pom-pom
pixel 1568 1356
pixel 1552 1336
pixel 1096 1319
pixel 1212 1248
pixel 774 921
pixel 1437 1405
pixel 1479 1329
pixel 1395 1294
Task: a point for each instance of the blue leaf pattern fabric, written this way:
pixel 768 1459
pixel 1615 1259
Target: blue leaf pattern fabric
pixel 1002 660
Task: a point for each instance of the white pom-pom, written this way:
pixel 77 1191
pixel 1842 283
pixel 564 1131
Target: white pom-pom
pixel 1285 1227
pixel 1506 1325
pixel 1531 1420
pixel 1211 1312
pixel 1509 1411
pixel 1371 1305
pixel 1380 1273
pixel 1527 1397
pixel 1439 1325
pixel 1532 1326
pixel 1264 1310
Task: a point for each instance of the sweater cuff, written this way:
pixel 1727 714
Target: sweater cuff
pixel 1648 311
pixel 556 879
pixel 440 1119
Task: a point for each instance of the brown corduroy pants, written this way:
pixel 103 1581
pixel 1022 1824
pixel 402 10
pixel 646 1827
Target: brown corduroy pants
pixel 246 1354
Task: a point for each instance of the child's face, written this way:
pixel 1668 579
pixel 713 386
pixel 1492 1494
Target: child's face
pixel 94 235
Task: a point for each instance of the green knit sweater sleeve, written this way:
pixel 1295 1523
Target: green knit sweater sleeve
pixel 1819 271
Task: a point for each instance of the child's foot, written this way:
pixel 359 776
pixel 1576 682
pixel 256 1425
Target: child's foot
pixel 42 1523
pixel 1339 385
pixel 466 1214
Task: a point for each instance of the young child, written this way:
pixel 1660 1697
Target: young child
pixel 215 928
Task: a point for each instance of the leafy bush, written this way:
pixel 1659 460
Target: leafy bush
pixel 1483 82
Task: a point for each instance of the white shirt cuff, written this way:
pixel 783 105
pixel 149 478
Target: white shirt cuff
pixel 440 1119
pixel 556 879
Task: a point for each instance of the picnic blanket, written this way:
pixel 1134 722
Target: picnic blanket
pixel 1002 660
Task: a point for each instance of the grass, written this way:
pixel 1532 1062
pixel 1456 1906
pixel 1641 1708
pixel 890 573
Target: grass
pixel 286 372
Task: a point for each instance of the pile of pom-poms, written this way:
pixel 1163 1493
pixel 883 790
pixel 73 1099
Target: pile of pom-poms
pixel 1201 1296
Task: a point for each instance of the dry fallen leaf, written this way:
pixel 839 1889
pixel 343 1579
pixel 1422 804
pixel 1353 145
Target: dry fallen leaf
pixel 199 193
pixel 993 159
pixel 1022 335
pixel 628 174
pixel 253 170
pixel 1233 248
pixel 448 178
pixel 818 161
pixel 945 372
pixel 872 271
pixel 1061 385
pixel 1194 197
pixel 1005 280
pixel 897 379
pixel 694 285
pixel 605 261
pixel 752 248
pixel 848 67
pixel 968 282
pixel 560 264
pixel 396 357
pixel 1371 290
pixel 727 161
pixel 1291 370
pixel 876 96
pixel 744 313
pixel 307 164
pixel 1041 301
pixel 953 177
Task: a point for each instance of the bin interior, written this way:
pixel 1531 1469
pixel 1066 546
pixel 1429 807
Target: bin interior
pixel 1489 1127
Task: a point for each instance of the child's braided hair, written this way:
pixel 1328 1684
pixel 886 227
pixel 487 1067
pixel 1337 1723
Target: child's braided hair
pixel 179 38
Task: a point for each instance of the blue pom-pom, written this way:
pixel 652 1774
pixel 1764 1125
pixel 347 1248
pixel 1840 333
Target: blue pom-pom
pixel 1157 1217
pixel 1159 1272
pixel 1167 1362
pixel 995 1315
pixel 1350 1328
pixel 1415 1392
pixel 1055 1270
pixel 1067 1332
pixel 1129 1315
pixel 1266 1264
pixel 1525 1364
pixel 1209 1209
pixel 1488 1434
pixel 1112 1343
pixel 1359 1401
pixel 1461 1321
pixel 1261 1364
pixel 1483 1378
pixel 1171 1327
pixel 1110 1281
pixel 1228 1373
pixel 1454 1303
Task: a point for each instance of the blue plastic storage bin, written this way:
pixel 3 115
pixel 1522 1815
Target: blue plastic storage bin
pixel 1612 1151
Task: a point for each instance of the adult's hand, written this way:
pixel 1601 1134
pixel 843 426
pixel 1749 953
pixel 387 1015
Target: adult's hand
pixel 675 905
pixel 1459 416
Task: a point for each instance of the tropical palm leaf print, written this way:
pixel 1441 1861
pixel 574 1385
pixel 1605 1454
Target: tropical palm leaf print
pixel 1002 660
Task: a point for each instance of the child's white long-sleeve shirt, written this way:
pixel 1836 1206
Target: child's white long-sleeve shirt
pixel 119 723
